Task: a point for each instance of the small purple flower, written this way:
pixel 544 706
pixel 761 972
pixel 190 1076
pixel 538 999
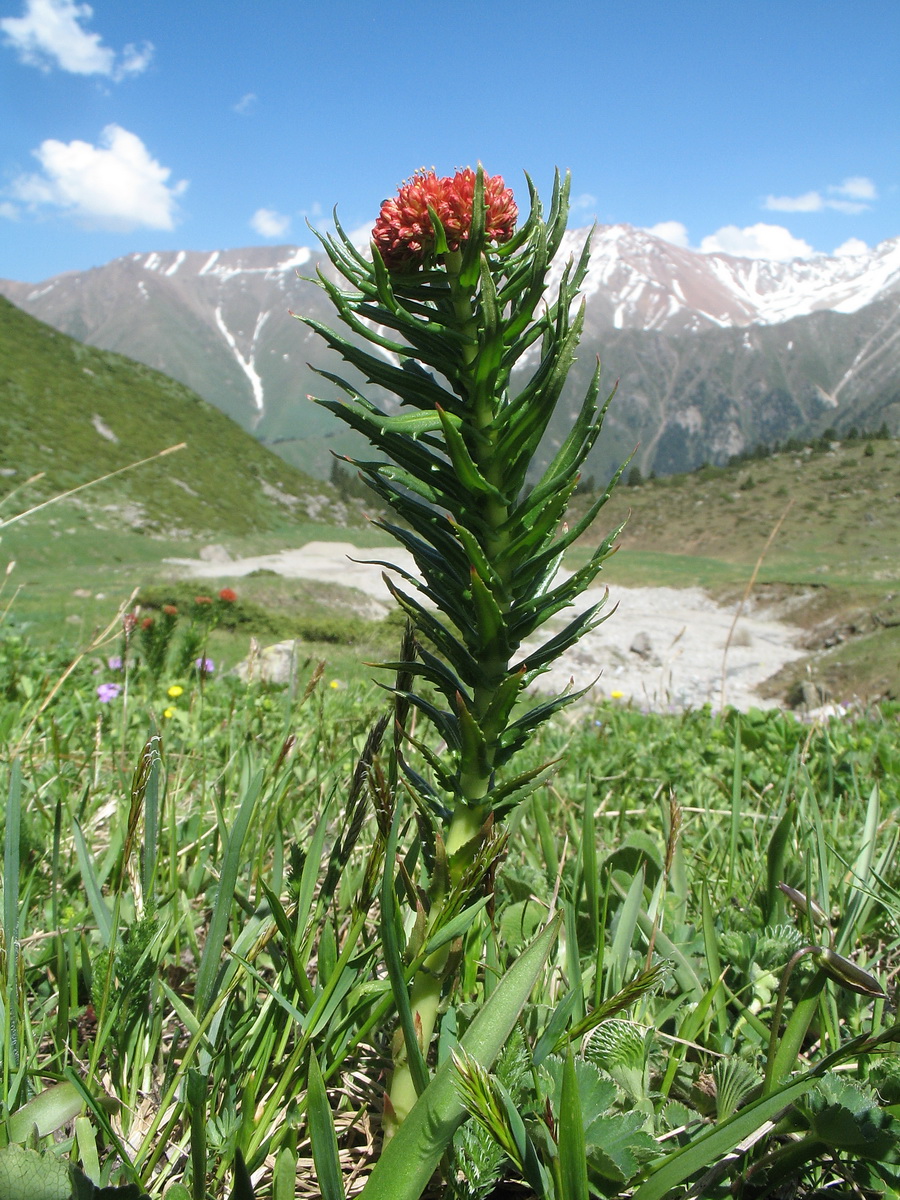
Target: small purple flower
pixel 108 691
pixel 205 666
pixel 114 662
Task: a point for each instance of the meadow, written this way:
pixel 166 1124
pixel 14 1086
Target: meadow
pixel 190 868
pixel 191 878
pixel 443 934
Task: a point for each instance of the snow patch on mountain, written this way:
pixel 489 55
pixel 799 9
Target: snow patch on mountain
pixel 247 364
pixel 636 280
pixel 179 259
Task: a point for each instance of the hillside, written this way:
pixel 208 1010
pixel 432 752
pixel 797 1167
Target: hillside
pixel 75 413
pixel 713 354
pixel 832 568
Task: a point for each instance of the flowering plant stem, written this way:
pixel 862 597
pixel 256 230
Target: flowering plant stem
pixel 449 304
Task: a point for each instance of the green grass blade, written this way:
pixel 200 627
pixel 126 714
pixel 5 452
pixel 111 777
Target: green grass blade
pixel 713 962
pixel 625 930
pixel 860 877
pixel 92 886
pixel 711 1146
pixel 48 1111
pixel 11 922
pixel 243 1188
pixel 412 1155
pixel 393 961
pixel 323 1136
pixel 151 830
pixel 737 784
pixel 284 1177
pixel 218 926
pixel 572 1151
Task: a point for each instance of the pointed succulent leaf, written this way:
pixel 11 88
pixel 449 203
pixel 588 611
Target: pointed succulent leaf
pixel 466 470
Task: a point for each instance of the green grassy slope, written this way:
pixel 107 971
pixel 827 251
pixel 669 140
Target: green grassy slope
pixel 833 567
pixel 72 414
pixel 76 413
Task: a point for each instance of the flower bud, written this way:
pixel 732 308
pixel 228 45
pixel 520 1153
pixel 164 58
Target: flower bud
pixel 804 904
pixel 847 973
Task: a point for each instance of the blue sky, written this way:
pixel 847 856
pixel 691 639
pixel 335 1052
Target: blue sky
pixel 769 128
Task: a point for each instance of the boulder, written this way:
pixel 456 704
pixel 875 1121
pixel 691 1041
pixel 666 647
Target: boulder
pixel 272 664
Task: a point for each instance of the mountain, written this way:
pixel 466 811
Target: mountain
pixel 75 413
pixel 713 354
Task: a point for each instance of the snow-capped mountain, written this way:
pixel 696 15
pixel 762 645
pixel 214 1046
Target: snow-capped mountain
pixel 714 353
pixel 638 281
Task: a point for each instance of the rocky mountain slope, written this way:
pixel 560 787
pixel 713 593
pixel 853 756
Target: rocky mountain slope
pixel 713 353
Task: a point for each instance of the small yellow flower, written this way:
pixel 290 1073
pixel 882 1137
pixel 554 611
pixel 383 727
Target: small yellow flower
pixel 335 683
pixel 175 691
pixel 168 712
pixel 617 695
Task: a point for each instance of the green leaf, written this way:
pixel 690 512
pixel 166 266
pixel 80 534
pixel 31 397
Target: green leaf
pixel 710 1146
pixel 572 1155
pixel 466 471
pixel 618 1144
pixel 323 1136
pixel 48 1111
pixel 284 1176
pixel 221 916
pixel 391 932
pixel 243 1188
pixel 27 1175
pixel 92 885
pixel 411 1157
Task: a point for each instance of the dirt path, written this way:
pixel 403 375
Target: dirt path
pixel 661 647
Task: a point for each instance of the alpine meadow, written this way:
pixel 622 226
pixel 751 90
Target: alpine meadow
pixel 340 880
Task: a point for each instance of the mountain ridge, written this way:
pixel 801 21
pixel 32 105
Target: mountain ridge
pixel 673 325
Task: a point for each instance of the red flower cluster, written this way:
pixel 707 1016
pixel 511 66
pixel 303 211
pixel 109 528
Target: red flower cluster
pixel 403 232
pixel 228 595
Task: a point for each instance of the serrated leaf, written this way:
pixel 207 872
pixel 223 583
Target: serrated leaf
pixel 28 1175
pixel 618 1145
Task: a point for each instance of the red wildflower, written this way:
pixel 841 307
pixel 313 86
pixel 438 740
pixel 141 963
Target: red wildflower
pixel 147 623
pixel 228 595
pixel 170 610
pixel 203 599
pixel 404 234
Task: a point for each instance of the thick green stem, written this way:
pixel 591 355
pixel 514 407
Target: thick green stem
pixel 474 777
pixel 424 999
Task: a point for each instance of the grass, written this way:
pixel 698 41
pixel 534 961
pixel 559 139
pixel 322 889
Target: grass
pixel 72 413
pixel 832 568
pixel 181 950
pixel 702 530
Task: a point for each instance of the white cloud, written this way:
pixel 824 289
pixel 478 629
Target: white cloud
pixel 847 197
pixel 850 247
pixel 361 236
pixel 50 34
pixel 584 202
pixel 757 241
pixel 246 103
pixel 857 187
pixel 269 223
pixel 8 211
pixel 115 185
pixel 808 202
pixel 671 231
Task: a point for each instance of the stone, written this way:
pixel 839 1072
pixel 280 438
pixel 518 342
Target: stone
pixel 272 664
pixel 214 554
pixel 641 645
